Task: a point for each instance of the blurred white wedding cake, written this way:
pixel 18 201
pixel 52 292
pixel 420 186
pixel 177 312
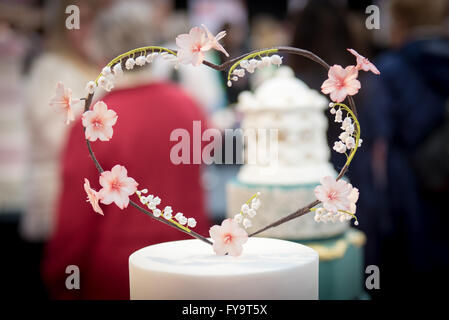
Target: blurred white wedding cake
pixel 284 168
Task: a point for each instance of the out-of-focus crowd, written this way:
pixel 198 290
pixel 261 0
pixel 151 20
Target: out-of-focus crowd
pixel 402 170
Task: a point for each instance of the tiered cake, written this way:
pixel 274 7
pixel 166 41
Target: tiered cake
pixel 286 179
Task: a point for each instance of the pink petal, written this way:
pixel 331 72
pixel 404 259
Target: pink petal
pixel 336 72
pixel 220 248
pixel 197 35
pixel 185 56
pixel 352 87
pixel 234 249
pixel 197 58
pixel 183 41
pixel 328 86
pixel 215 232
pixel 338 95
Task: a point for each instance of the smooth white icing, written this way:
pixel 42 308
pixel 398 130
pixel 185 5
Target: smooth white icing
pixel 189 269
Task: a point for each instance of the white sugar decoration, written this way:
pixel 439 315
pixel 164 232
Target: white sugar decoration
pixel 248 210
pixel 191 222
pixel 276 60
pixel 247 223
pixel 90 87
pixel 238 218
pixel 140 61
pixel 129 64
pixel 117 69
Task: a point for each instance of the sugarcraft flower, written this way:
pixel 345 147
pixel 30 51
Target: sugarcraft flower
pixel 248 210
pixel 334 194
pixel 213 40
pixel 63 101
pixel 276 60
pixel 191 222
pixel 117 186
pixel 228 238
pixel 341 82
pixel 129 64
pixel 90 87
pixel 192 46
pixel 98 122
pixel 363 63
pixel 92 197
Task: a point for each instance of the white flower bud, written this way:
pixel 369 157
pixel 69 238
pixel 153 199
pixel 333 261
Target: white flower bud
pixel 276 60
pixel 118 71
pixel 317 218
pixel 255 203
pixel 350 143
pixel 238 218
pixel 266 61
pixel 343 136
pixel 340 147
pixel 144 190
pixel 247 223
pixel 157 201
pixel 244 64
pixel 140 61
pixel 157 213
pixel 107 72
pixel 102 81
pixel 191 222
pixel 167 215
pixel 252 213
pixel 182 221
pixel 332 111
pixel 129 64
pixel 90 87
pixel 229 83
pixel 179 216
pixel 239 72
pixel 245 208
pixel 338 116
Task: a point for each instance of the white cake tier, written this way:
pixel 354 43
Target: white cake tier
pixel 285 175
pixel 189 269
pixel 277 202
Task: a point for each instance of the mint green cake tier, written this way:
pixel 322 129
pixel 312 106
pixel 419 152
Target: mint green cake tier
pixel 341 275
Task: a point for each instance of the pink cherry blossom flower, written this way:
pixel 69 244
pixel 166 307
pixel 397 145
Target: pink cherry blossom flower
pixel 228 238
pixel 213 40
pixel 334 194
pixel 363 63
pixel 192 46
pixel 98 122
pixel 92 197
pixel 63 101
pixel 341 82
pixel 117 186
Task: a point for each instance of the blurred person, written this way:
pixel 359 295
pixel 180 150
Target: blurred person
pixel 66 58
pixel 148 111
pixel 404 157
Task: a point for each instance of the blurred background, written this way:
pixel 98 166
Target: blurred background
pixel 402 170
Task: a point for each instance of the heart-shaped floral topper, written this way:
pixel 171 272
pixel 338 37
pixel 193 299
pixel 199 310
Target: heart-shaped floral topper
pixel 337 197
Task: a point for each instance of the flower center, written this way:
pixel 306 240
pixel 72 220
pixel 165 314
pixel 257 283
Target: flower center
pixel 116 185
pixel 97 123
pixel 227 239
pixel 332 195
pixel 196 47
